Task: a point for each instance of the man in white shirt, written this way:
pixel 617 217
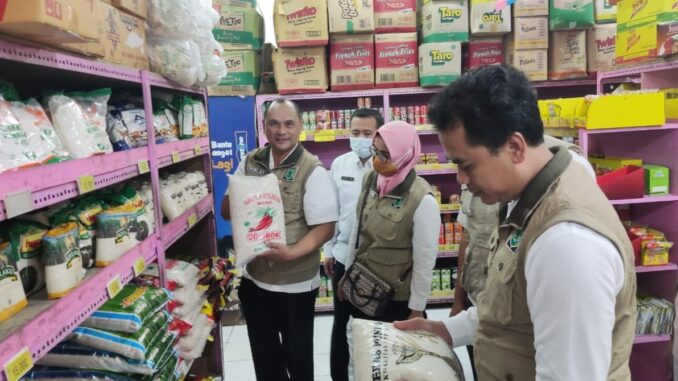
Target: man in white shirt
pixel 279 288
pixel 559 301
pixel 347 174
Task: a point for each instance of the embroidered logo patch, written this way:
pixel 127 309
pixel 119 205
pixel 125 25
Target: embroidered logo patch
pixel 290 174
pixel 514 239
pixel 397 204
pixel 255 171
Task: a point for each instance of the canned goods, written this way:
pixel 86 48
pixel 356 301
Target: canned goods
pixel 368 102
pixel 361 102
pixel 410 110
pixel 347 118
pixel 396 113
pixel 334 116
pixel 304 117
pixel 417 111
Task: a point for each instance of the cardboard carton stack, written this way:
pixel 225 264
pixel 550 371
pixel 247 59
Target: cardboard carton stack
pixel 396 43
pixel 240 32
pixel 646 30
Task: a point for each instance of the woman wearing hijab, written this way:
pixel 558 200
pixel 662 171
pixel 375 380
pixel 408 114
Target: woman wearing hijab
pixel 398 224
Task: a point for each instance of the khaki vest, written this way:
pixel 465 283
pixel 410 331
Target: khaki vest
pixel 482 221
pixel 385 235
pixel 561 192
pixel 293 173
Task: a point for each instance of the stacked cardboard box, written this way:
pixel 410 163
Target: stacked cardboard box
pixel 240 32
pixel 647 29
pixel 527 47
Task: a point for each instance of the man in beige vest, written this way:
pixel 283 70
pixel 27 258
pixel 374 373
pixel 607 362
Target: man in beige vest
pixel 279 288
pixel 559 300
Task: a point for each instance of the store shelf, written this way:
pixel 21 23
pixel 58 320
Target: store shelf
pixel 44 323
pixel 326 95
pixel 176 228
pixel 434 172
pixel 650 269
pixel 413 90
pixel 658 65
pixel 448 254
pixel 324 308
pixel 174 152
pixel 673 125
pixel 645 200
pixel 440 300
pixel 449 208
pixel 160 81
pixel 53 183
pixel 562 132
pixel 646 339
pixel 573 82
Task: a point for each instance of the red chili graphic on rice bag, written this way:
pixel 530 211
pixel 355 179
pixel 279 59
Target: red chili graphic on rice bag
pixel 265 216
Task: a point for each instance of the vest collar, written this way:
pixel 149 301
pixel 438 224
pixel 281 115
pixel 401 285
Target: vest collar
pixel 537 188
pixel 401 190
pixel 262 157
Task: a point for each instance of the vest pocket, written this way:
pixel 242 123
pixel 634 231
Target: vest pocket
pixel 388 264
pixel 387 224
pixel 498 294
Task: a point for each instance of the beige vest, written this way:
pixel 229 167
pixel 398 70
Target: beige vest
pixel 482 221
pixel 561 192
pixel 293 173
pixel 385 234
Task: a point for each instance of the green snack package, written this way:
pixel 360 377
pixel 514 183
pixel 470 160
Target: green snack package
pixel 571 14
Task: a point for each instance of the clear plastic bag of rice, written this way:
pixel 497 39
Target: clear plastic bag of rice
pixel 381 352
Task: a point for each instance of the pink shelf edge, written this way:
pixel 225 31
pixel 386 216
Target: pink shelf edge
pixel 185 148
pixel 669 64
pixel 447 254
pixel 645 200
pixel 45 330
pixel 668 126
pixel 649 269
pixel 176 228
pixel 645 339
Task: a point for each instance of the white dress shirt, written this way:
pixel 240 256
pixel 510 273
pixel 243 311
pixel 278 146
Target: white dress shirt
pixel 425 232
pixel 347 174
pixel 317 210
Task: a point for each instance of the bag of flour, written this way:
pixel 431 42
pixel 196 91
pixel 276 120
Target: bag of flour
pixel 13 296
pixel 381 352
pixel 257 215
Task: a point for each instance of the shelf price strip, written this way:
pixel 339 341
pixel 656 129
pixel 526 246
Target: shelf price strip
pixel 19 365
pixel 143 166
pixel 86 184
pixel 139 266
pixel 176 157
pixel 192 220
pixel 114 287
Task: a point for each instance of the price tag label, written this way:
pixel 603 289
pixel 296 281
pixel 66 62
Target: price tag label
pixel 18 203
pixel 114 287
pixel 86 184
pixel 19 365
pixel 197 150
pixel 143 166
pixel 175 157
pixel 302 136
pixel 192 219
pixel 139 266
pixel 325 136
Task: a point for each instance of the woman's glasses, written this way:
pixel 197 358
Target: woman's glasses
pixel 383 155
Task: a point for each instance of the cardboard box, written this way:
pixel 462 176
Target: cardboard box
pixel 300 22
pixel 671 103
pixel 570 14
pixel 244 73
pixel 443 21
pixel 531 33
pixel 395 16
pixel 605 12
pixel 530 8
pixel 439 63
pixel 396 60
pixel 135 7
pixel 646 41
pixel 614 162
pixel 636 10
pixel 483 52
pixel 239 27
pixel 567 55
pixel 534 63
pixel 485 20
pixel 352 62
pixel 351 16
pixel 656 179
pixel 600 46
pixel 300 70
pixel 50 22
pixel 509 49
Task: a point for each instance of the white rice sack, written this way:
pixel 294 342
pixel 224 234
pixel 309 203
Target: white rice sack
pixel 39 130
pixel 192 345
pixel 185 310
pixel 12 295
pixel 15 149
pixel 257 215
pixel 62 259
pixel 381 352
pixel 180 272
pixel 80 121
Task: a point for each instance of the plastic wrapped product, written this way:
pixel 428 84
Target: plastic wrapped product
pixel 215 70
pixel 200 128
pixel 192 345
pixel 257 215
pixel 131 345
pixel 62 260
pixel 71 355
pixel 171 18
pixel 181 272
pixel 39 131
pixel 127 129
pixel 186 116
pixel 63 374
pixel 185 295
pixel 83 212
pixel 25 237
pixel 381 352
pixel 171 198
pixel 129 310
pixel 117 131
pixel 80 121
pixel 15 151
pixel 167 370
pixel 176 59
pixel 195 304
pixel 12 296
pixel 165 124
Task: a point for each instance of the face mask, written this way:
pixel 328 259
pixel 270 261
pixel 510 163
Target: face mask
pixel 384 168
pixel 361 147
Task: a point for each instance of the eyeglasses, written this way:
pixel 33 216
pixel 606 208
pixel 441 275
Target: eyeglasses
pixel 383 155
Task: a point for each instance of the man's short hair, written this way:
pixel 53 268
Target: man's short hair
pixel 283 101
pixel 369 113
pixel 491 103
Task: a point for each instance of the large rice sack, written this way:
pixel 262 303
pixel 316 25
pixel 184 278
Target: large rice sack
pixel 257 215
pixel 381 352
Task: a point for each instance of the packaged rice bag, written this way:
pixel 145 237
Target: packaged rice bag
pixel 83 212
pixel 129 310
pixel 62 260
pixel 80 122
pixel 192 345
pixel 257 215
pixel 15 150
pixel 167 370
pixel 25 237
pixel 183 273
pixel 186 116
pixel 40 132
pixel 381 352
pixel 165 122
pixel 72 355
pixel 117 131
pixel 200 128
pixel 12 295
pixel 131 345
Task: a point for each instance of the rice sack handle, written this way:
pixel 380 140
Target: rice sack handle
pixel 257 215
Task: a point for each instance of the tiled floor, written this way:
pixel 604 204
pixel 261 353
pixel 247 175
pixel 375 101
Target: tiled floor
pixel 238 358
